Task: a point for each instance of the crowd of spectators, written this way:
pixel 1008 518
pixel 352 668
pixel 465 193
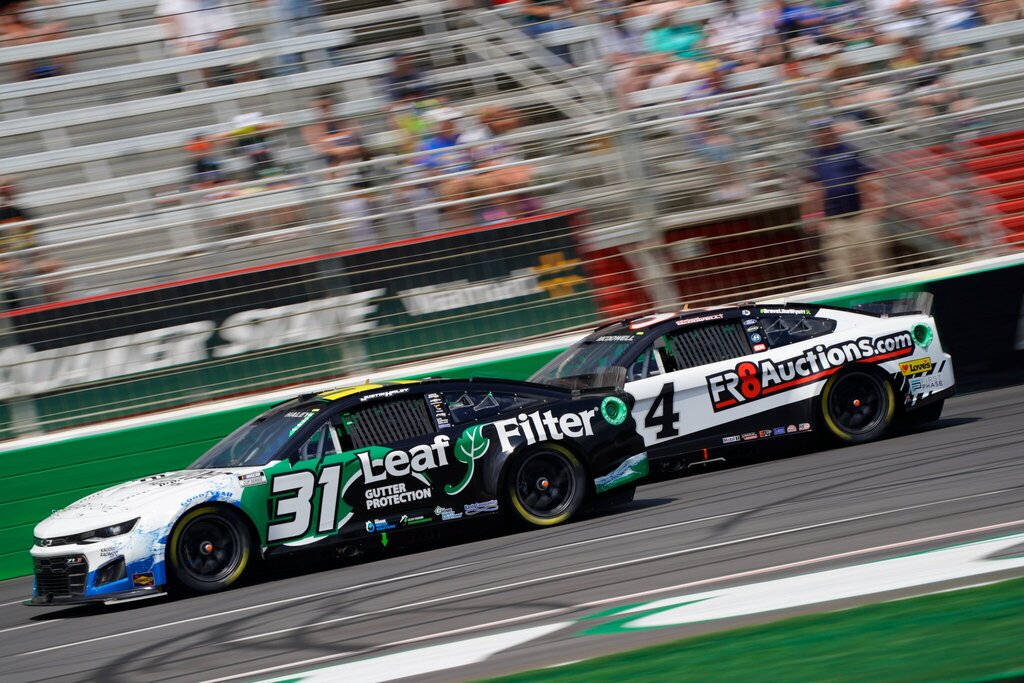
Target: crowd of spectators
pixel 459 166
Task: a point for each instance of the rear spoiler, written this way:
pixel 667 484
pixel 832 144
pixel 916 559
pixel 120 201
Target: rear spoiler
pixel 910 303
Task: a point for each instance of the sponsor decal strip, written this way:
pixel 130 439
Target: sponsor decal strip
pixel 749 381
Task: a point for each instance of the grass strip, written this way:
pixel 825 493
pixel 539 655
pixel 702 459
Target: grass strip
pixel 969 634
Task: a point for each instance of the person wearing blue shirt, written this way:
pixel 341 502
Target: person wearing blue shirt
pixel 845 197
pixel 441 156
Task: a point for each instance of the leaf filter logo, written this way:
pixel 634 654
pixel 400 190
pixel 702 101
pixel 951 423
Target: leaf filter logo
pixel 469 448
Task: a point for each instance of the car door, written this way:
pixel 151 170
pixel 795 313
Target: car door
pixel 673 412
pixel 400 449
pixel 303 490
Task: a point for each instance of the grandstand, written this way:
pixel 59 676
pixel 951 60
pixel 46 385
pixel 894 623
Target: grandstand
pixel 692 178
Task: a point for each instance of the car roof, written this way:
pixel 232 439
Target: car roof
pixel 359 393
pixel 659 323
pixel 339 393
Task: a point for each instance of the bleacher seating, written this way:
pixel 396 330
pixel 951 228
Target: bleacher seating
pixel 107 139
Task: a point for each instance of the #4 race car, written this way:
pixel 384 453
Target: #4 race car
pixel 718 377
pixel 342 466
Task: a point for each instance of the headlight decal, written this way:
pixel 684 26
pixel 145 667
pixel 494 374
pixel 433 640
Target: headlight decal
pixel 94 536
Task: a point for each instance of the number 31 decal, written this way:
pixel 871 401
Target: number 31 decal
pixel 295 510
pixel 662 413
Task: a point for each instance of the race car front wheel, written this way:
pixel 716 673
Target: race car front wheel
pixel 546 486
pixel 209 549
pixel 857 405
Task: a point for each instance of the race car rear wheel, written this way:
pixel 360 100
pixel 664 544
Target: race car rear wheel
pixel 209 549
pixel 857 405
pixel 546 486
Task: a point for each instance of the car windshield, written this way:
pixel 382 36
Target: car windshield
pixel 255 443
pixel 585 364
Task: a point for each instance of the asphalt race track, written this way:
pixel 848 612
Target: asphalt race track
pixel 961 479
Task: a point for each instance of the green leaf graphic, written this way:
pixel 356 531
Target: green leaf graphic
pixel 472 445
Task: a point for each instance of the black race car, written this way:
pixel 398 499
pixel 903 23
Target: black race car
pixel 341 467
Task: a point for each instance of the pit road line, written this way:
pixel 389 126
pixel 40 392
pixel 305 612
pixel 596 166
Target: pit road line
pixel 630 597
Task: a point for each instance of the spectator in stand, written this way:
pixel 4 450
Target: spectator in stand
pixel 206 169
pixel 195 26
pixel 16 235
pixel 20 25
pixel 928 85
pixel 440 157
pixel 679 43
pixel 501 167
pixel 337 139
pixel 630 66
pixel 357 208
pixel 290 19
pixel 544 16
pixel 736 36
pixel 844 201
pixel 407 82
pixel 412 99
pixel 901 18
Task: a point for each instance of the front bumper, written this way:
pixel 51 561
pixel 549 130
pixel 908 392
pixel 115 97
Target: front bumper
pixel 49 600
pixel 95 572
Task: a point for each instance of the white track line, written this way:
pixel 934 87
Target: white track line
pixel 586 570
pixel 251 607
pixel 16 602
pixel 631 597
pixel 481 591
pixel 34 623
pixel 557 548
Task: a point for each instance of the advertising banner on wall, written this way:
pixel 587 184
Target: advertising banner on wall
pixel 305 319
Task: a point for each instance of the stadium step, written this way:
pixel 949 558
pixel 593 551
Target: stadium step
pixel 1013 224
pixel 1008 175
pixel 1011 207
pixel 999 138
pixel 1007 191
pixel 997 162
pixel 1002 147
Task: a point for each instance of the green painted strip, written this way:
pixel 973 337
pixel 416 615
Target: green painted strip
pixel 969 634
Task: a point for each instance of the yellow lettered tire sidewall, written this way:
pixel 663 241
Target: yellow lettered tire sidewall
pixel 198 511
pixel 526 516
pixel 833 428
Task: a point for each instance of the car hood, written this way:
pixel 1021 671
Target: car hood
pixel 154 496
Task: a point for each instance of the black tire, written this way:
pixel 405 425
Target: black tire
pixel 857 406
pixel 209 549
pixel 545 486
pixel 925 414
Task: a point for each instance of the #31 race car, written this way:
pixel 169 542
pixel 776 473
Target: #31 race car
pixel 708 379
pixel 338 467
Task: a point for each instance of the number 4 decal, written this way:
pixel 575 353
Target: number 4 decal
pixel 662 413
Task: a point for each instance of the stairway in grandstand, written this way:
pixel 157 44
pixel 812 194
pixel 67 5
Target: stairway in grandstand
pixel 968 195
pixel 999 162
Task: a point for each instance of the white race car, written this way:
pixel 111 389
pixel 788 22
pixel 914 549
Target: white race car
pixel 713 378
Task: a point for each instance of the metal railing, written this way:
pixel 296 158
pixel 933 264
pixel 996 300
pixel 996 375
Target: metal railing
pixel 588 208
